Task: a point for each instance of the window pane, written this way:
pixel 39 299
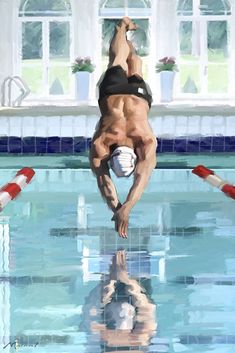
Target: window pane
pixel 189 78
pixel 32 55
pixel 120 8
pixel 108 28
pixel 59 79
pixel 32 71
pixel 218 78
pixel 138 3
pixel 60 40
pixel 217 40
pixel 114 3
pixel 32 40
pixel 185 34
pixel 217 56
pixel 140 38
pixel 59 71
pixel 189 58
pixel 215 7
pixel 45 7
pixel 185 7
pixel 121 3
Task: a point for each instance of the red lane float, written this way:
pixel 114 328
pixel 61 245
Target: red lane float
pixel 210 177
pixel 9 191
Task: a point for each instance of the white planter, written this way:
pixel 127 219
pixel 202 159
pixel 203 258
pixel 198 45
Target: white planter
pixel 82 83
pixel 167 83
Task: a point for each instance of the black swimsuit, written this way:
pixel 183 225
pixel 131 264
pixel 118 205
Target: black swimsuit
pixel 115 81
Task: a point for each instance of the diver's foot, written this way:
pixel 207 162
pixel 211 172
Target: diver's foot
pixel 127 22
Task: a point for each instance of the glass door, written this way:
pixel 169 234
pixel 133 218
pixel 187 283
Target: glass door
pixel 203 56
pixel 59 70
pixel 32 56
pixel 189 67
pixel 217 56
pixel 46 56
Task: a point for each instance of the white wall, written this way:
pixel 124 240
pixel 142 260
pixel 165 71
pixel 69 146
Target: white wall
pixel 164 37
pixel 8 37
pixel 166 34
pixel 87 34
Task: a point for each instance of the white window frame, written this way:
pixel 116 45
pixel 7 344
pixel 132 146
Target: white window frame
pixel 201 21
pixel 45 20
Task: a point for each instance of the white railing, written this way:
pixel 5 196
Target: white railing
pixel 6 91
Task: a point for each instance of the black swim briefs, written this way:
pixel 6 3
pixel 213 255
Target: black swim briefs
pixel 115 81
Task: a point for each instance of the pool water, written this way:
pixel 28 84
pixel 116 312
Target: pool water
pixel 57 243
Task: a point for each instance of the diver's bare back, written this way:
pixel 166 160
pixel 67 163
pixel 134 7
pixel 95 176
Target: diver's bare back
pixel 123 122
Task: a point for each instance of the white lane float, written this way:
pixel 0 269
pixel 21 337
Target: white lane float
pixel 210 177
pixel 9 191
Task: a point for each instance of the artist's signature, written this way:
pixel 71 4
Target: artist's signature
pixel 16 344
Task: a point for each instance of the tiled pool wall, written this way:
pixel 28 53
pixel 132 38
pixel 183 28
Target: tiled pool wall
pixel 71 134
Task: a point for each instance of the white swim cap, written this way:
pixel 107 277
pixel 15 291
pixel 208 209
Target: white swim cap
pixel 123 161
pixel 120 316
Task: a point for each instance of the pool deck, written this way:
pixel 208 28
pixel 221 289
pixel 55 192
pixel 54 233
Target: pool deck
pixel 202 107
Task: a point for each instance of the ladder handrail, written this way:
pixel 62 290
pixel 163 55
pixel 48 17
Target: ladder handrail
pixel 3 90
pixel 25 90
pixel 22 86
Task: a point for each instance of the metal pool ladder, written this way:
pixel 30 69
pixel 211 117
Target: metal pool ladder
pixel 6 91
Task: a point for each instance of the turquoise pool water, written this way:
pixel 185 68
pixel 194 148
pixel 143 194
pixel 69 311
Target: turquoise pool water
pixel 57 243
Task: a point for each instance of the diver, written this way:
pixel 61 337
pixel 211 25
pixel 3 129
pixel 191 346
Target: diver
pixel 123 140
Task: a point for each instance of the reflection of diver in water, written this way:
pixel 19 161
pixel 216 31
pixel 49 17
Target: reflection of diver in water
pixel 125 317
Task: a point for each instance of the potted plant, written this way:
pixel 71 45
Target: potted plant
pixel 82 67
pixel 167 68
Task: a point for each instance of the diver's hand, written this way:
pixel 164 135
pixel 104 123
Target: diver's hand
pixel 118 268
pixel 121 219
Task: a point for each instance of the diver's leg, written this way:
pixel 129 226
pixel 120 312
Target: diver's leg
pixel 134 62
pixel 134 66
pixel 119 49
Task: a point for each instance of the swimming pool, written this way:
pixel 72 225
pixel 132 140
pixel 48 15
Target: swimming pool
pixel 57 243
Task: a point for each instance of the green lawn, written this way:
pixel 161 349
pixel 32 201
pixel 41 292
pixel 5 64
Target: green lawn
pixel 217 71
pixel 32 73
pixel 213 56
pixel 218 78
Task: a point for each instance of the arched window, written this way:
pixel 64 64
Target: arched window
pixel 185 7
pixel 45 8
pixel 111 11
pixel 204 46
pixel 125 7
pixel 46 46
pixel 206 7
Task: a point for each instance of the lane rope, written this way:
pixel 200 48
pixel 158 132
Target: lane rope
pixel 210 177
pixel 9 191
